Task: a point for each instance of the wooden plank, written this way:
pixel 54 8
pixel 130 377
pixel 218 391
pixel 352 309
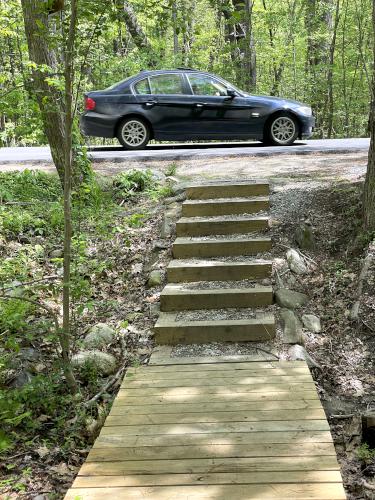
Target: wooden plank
pixel 122 439
pixel 162 360
pixel 217 389
pixel 204 374
pixel 315 491
pixel 219 416
pixel 197 428
pixel 210 478
pixel 154 383
pixel 220 365
pixel 124 398
pixel 205 465
pixel 210 451
pixel 123 409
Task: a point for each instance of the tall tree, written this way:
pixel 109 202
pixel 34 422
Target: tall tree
pixel 60 114
pixel 369 189
pixel 45 69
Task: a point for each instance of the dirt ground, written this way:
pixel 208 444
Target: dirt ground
pixel 317 167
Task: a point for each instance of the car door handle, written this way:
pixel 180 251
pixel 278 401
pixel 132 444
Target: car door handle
pixel 150 104
pixel 200 104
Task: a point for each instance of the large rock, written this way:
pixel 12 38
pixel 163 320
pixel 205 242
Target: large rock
pixel 296 262
pixel 290 299
pixel 105 363
pixel 155 278
pixel 299 353
pixel 311 323
pixel 99 336
pixel 304 236
pixel 167 227
pixel 292 327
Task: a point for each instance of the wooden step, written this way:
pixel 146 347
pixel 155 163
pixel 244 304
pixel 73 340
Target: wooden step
pixel 187 247
pixel 210 270
pixel 227 190
pixel 169 331
pixel 196 208
pixel 175 297
pixel 201 226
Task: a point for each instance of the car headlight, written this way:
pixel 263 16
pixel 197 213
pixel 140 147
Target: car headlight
pixel 305 110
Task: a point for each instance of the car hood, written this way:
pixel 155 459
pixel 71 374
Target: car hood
pixel 269 99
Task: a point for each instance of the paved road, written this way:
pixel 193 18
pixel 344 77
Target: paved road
pixel 188 151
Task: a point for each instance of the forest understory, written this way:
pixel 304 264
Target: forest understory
pixel 118 246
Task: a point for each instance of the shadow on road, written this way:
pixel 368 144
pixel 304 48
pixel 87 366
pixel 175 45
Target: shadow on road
pixel 213 145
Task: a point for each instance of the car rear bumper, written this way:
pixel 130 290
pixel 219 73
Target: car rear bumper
pixel 98 125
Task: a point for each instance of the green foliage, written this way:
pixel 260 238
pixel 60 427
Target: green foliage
pixel 13 318
pixel 365 453
pixel 28 186
pixel 20 409
pixel 130 183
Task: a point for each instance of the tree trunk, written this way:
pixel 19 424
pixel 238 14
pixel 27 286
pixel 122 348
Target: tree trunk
pixel 49 98
pixel 250 54
pixel 369 189
pixel 138 35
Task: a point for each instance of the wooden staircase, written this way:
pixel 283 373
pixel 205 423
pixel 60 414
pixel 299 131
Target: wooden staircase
pixel 219 221
pixel 214 428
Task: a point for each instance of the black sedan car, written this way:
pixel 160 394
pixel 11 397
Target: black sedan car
pixel 185 104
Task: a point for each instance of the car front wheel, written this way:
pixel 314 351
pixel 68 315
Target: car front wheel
pixel 282 130
pixel 133 133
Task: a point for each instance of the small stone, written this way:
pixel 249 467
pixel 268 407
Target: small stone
pixel 174 199
pixel 304 236
pixel 178 189
pixel 160 245
pixel 158 176
pixel 29 354
pixel 105 363
pixel 296 262
pixel 99 336
pixel 299 353
pixel 290 299
pixel 23 378
pixel 154 309
pixel 155 278
pixel 311 323
pixel 58 253
pixel 292 327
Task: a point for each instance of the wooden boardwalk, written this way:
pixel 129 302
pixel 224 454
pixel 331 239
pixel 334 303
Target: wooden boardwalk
pixel 218 431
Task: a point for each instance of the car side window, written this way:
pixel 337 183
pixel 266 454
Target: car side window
pixel 142 87
pixel 206 85
pixel 166 84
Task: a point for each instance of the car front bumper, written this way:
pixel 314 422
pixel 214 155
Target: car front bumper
pixel 307 126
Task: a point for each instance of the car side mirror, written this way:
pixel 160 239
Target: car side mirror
pixel 231 93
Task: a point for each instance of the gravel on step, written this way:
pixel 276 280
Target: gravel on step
pixel 221 349
pixel 221 314
pixel 247 259
pixel 224 200
pixel 217 218
pixel 218 237
pixel 211 285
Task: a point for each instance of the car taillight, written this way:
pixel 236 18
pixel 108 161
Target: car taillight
pixel 89 104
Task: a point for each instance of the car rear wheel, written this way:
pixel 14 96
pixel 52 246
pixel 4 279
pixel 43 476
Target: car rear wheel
pixel 133 133
pixel 282 130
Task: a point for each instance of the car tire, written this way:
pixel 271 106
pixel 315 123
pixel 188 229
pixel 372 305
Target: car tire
pixel 133 133
pixel 281 130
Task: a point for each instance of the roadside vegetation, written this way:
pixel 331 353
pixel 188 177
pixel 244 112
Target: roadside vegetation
pixel 44 428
